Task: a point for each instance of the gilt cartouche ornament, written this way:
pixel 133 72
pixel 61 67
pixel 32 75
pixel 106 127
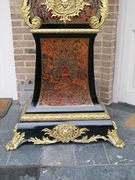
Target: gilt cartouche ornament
pixel 65 9
pixel 68 132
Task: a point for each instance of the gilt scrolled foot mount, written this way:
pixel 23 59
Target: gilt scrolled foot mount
pixel 64 107
pixel 16 140
pixel 114 138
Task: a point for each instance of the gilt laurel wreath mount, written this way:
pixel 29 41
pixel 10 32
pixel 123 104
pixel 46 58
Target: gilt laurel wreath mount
pixel 64 11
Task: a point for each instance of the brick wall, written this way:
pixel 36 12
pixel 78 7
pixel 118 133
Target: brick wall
pixel 24 45
pixel 105 54
pixel 24 50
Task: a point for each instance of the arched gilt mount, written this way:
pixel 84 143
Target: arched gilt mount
pixel 64 11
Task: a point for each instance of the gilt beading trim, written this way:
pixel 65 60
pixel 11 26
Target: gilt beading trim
pixel 64 31
pixel 64 116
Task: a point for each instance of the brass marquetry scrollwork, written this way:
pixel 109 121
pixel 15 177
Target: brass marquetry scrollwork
pixel 95 22
pixel 33 23
pixel 16 140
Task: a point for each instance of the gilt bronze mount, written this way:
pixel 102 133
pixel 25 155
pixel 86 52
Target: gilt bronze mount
pixel 64 107
pixel 64 10
pixel 65 133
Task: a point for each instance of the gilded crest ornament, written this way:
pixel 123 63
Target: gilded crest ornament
pixel 65 133
pixel 68 132
pixel 65 9
pixel 61 133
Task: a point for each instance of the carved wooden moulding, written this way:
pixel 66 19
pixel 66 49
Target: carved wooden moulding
pixel 38 12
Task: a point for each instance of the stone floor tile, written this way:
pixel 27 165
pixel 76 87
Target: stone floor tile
pixel 111 112
pixel 119 117
pixel 94 161
pixel 123 107
pixel 19 173
pixel 4 155
pixel 8 122
pixel 114 172
pixel 5 137
pixel 123 116
pixel 25 155
pixel 125 155
pixel 114 116
pixel 58 155
pixel 127 135
pixel 90 154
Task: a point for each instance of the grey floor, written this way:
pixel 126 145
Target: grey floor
pixel 95 161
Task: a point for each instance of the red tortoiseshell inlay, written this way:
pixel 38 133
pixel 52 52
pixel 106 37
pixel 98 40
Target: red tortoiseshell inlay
pixel 38 10
pixel 64 72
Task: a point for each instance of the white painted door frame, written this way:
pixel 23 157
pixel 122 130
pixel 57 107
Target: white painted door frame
pixel 122 90
pixel 8 88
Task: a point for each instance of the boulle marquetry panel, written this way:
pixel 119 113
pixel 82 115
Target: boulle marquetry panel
pixel 64 72
pixel 41 9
